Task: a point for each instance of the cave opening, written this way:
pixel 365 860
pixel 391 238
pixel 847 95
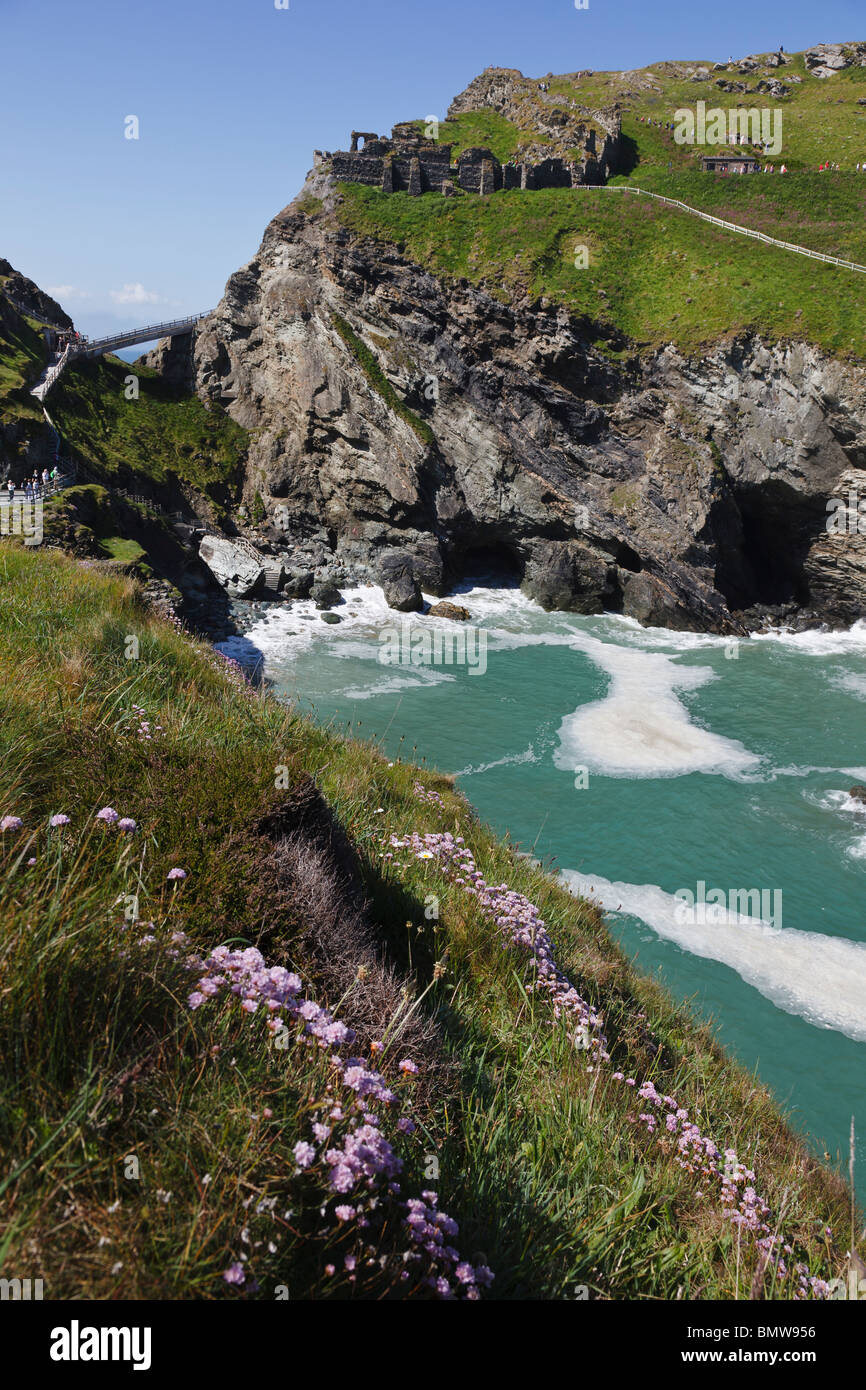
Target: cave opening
pixel 778 525
pixel 492 565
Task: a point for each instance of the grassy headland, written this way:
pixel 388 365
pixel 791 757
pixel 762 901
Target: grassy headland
pixel 151 1148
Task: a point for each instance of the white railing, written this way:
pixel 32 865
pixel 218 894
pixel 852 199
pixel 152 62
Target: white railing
pixel 48 378
pixel 729 226
pixel 150 333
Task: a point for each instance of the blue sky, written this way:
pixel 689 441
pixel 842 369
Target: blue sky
pixel 233 96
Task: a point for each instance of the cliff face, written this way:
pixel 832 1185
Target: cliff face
pixel 403 425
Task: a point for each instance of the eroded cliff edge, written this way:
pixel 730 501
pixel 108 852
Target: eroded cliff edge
pixel 413 430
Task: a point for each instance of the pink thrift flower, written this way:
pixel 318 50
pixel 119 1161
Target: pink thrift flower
pixel 175 874
pixel 127 823
pixel 11 823
pixel 58 820
pixel 234 1274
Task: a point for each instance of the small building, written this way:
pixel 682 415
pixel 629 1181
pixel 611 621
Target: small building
pixel 729 164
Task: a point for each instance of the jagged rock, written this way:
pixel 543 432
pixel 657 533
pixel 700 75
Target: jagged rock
pixel 297 583
pixel 26 292
pixel 232 566
pixel 399 582
pixel 454 611
pixel 858 793
pixel 325 594
pixel 701 481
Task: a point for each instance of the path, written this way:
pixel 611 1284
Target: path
pixel 729 226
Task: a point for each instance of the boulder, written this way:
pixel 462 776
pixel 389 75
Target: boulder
pixel 297 583
pixel 233 567
pixel 858 793
pixel 325 594
pixel 331 618
pixel 399 582
pixel 571 577
pixel 450 610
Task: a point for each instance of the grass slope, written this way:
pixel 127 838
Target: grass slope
pixel 161 435
pixel 148 1148
pixel 655 274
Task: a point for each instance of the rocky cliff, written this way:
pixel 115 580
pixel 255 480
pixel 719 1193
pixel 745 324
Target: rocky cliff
pixel 414 431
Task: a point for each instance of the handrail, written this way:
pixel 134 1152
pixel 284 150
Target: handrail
pixel 729 226
pixel 151 330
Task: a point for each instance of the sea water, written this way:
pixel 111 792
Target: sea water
pixel 697 787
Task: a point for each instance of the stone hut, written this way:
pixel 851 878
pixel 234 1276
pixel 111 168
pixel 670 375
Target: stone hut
pixel 729 164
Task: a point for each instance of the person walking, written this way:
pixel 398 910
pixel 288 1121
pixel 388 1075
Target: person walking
pixel 10 488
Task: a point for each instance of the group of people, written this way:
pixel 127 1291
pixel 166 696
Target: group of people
pixel 35 486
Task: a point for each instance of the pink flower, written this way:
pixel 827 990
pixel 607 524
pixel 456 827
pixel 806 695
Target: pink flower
pixel 175 874
pixel 234 1274
pixel 11 823
pixel 58 820
pixel 108 814
pixel 127 823
pixel 304 1154
pixel 408 1067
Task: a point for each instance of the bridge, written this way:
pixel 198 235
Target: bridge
pixel 96 347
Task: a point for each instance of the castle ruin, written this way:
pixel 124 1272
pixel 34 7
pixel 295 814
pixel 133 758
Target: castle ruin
pixel 409 162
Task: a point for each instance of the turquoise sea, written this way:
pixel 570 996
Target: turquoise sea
pixel 646 763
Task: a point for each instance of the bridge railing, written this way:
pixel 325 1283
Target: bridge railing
pixel 141 335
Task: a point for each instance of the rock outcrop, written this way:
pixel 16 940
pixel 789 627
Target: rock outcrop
pixel 683 491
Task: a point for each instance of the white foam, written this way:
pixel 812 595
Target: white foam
pixel 641 728
pixel 528 755
pixel 816 642
pixel 851 682
pixel 820 978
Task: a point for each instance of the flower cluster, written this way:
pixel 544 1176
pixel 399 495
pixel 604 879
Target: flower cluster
pixel 346 1147
pixel 427 794
pixel 144 730
pixel 521 925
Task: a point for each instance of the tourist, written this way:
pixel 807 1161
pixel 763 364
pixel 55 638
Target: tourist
pixel 10 487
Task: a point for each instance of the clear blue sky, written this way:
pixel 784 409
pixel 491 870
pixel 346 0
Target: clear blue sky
pixel 233 96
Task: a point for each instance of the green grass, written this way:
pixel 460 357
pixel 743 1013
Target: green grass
pixel 162 435
pixel 93 522
pixel 22 360
pixel 541 1160
pixel 820 117
pixel 665 276
pixel 380 383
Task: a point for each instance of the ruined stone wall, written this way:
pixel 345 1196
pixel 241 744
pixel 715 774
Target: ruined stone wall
pixel 479 171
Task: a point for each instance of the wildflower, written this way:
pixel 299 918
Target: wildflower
pixel 304 1154
pixel 108 815
pixel 408 1067
pixel 58 820
pixel 344 1213
pixel 11 823
pixel 117 1267
pixel 267 1112
pixel 175 874
pixel 234 1274
pixel 330 1270
pixel 127 823
pixel 30 863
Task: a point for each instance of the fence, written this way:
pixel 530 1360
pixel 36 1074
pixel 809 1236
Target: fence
pixel 729 226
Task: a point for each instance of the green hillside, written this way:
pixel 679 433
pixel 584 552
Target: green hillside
pixel 655 274
pixel 157 1141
